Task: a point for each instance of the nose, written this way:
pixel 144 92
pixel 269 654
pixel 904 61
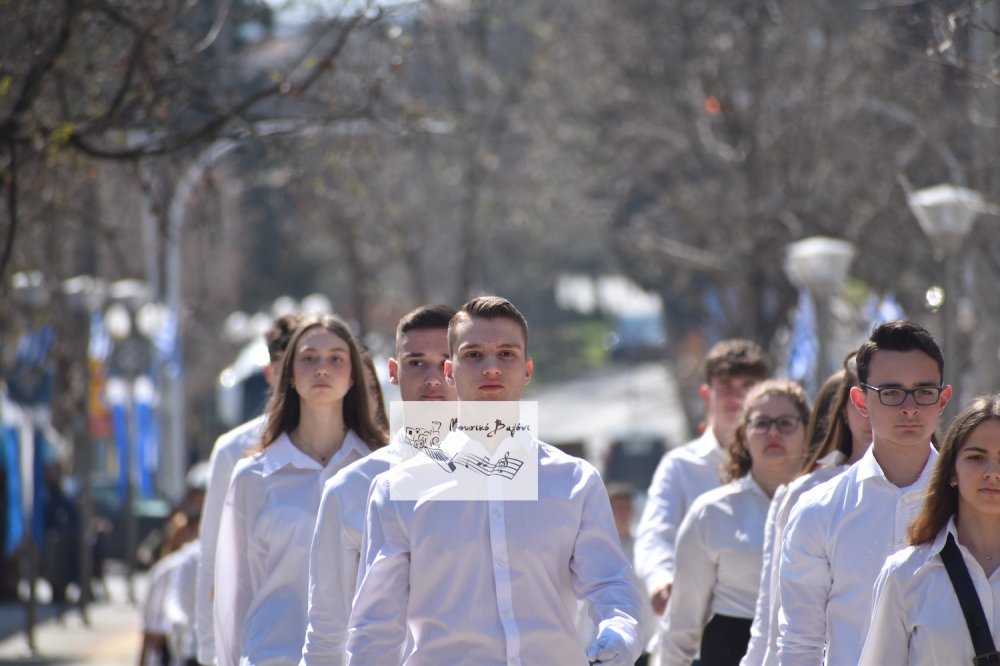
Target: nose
pixel 490 365
pixel 435 376
pixel 992 468
pixel 910 404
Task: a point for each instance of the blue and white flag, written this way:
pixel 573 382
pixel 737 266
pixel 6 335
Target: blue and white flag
pixel 804 351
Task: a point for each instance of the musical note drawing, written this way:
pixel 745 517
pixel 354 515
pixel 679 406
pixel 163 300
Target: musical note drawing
pixel 506 467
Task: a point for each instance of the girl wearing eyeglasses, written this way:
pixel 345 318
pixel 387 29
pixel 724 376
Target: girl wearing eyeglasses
pixel 917 617
pixel 720 542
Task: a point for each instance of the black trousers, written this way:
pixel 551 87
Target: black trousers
pixel 725 641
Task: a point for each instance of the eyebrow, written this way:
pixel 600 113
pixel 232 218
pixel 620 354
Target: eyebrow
pixel 978 449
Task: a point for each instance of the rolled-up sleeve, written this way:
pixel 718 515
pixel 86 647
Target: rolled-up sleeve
pixel 377 628
pixel 804 584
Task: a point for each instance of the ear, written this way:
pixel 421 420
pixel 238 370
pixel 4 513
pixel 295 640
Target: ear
pixel 270 373
pixel 449 375
pixel 529 369
pixel 393 369
pixel 858 400
pixel 705 393
pixel 945 397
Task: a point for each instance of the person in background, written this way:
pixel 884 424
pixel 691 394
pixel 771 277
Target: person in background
pixel 838 437
pixel 376 401
pixel 317 422
pixel 228 450
pixel 917 618
pixel 840 532
pixel 418 370
pixel 732 367
pixel 720 542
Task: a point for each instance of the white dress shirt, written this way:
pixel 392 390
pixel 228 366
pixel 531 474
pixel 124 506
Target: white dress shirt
pixel 490 582
pixel 178 606
pixel 763 648
pixel 682 475
pixel 229 448
pixel 335 553
pixel 917 619
pixel 838 536
pixel 719 547
pixel 262 559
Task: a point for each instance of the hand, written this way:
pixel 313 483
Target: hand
pixel 609 648
pixel 660 598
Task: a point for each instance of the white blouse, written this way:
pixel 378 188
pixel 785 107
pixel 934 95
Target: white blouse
pixel 262 559
pixel 917 619
pixel 719 551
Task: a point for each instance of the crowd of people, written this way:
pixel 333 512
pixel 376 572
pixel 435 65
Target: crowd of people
pixel 832 531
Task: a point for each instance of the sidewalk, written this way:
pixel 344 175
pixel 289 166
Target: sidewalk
pixel 112 639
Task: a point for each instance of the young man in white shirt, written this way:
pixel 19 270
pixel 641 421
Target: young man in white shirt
pixel 228 450
pixel 732 367
pixel 840 533
pixel 418 370
pixel 494 581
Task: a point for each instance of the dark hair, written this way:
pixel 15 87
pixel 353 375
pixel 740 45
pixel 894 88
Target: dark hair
pixel 941 498
pixel 379 416
pixel 730 358
pixel 901 336
pixel 740 462
pixel 278 336
pixel 432 316
pixel 283 408
pixel 621 489
pixel 828 428
pixel 487 307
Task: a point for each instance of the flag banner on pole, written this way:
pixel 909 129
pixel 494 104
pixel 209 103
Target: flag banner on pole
pixel 147 436
pixel 804 351
pixel 30 383
pixel 15 518
pixel 118 400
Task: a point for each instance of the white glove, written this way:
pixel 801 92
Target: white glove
pixel 609 648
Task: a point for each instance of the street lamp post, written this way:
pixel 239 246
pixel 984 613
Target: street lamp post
pixel 946 213
pixel 820 264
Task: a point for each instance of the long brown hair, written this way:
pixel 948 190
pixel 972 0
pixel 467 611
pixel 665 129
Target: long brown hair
pixel 829 421
pixel 284 407
pixel 941 500
pixel 740 462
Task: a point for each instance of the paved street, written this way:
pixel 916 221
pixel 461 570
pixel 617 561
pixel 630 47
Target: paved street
pixel 112 639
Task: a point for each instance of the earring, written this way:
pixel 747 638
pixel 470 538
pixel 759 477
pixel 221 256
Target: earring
pixel 954 484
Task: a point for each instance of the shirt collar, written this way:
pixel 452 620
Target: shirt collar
pixel 746 484
pixel 868 467
pixel 282 453
pixel 708 442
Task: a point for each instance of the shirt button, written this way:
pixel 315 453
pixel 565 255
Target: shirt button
pixel 501 562
pixel 507 612
pixel 495 513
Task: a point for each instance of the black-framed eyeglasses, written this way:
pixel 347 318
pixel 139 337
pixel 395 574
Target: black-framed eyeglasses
pixel 761 425
pixel 894 396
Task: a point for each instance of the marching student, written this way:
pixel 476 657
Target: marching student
pixel 418 370
pixel 495 580
pixel 229 448
pixel 732 367
pixel 841 532
pixel 317 421
pixel 922 615
pixel 720 542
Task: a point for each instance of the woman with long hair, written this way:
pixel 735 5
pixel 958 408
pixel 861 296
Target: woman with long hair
pixel 838 435
pixel 720 541
pixel 318 421
pixel 917 618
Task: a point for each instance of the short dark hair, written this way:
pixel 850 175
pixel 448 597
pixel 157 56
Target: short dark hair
pixel 900 335
pixel 280 334
pixel 736 356
pixel 431 316
pixel 487 307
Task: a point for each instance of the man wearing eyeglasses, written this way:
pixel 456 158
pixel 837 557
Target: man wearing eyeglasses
pixel 840 532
